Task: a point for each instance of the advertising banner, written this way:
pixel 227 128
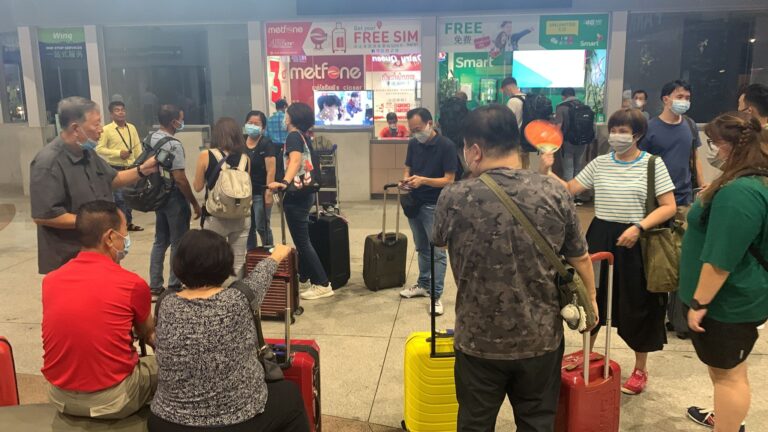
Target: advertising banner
pixel 393 62
pixel 343 38
pixel 331 73
pixel 62 43
pixel 497 35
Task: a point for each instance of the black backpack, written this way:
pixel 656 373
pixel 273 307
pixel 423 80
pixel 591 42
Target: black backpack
pixel 535 107
pixel 151 192
pixel 581 127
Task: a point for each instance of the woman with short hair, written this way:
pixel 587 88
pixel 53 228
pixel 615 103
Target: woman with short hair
pixel 722 280
pixel 207 352
pixel 261 151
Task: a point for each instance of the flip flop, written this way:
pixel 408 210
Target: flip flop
pixel 133 227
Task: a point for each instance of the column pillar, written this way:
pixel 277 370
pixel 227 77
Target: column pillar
pixel 429 64
pixel 617 45
pixel 258 67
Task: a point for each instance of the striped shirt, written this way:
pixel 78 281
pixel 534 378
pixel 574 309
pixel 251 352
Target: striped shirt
pixel 621 187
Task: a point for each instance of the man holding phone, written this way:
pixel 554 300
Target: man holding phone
pixel 430 165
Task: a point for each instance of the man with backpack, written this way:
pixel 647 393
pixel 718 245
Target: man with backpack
pixel 577 121
pixel 173 217
pixel 526 109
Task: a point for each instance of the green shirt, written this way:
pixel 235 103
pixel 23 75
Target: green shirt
pixel 739 218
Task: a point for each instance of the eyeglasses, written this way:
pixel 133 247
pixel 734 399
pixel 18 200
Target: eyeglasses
pixel 712 146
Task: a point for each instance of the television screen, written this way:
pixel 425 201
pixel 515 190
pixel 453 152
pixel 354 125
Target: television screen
pixel 343 108
pixel 549 68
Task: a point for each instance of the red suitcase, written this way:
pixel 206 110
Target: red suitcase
pixel 590 392
pixel 300 361
pixel 9 389
pixel 285 282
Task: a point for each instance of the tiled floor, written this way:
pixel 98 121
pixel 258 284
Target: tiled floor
pixel 362 335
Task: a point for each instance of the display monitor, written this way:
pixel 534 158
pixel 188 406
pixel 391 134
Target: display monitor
pixel 343 108
pixel 549 68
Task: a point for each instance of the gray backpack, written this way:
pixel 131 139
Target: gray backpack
pixel 231 196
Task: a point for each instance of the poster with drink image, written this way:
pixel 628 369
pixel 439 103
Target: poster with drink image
pixel 355 37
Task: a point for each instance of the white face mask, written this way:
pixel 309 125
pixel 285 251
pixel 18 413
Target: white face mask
pixel 639 104
pixel 680 106
pixel 620 142
pixel 423 136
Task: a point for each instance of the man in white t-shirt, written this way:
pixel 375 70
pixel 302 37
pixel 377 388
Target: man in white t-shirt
pixel 515 103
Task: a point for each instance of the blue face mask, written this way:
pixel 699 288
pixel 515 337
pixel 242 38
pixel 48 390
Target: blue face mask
pixel 121 254
pixel 680 106
pixel 252 130
pixel 89 144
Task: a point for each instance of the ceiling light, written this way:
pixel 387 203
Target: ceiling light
pixel 753 40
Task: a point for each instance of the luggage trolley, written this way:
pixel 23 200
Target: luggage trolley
pixel 328 157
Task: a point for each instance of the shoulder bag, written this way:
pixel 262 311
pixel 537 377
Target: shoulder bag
pixel 661 246
pixel 307 179
pixel 570 287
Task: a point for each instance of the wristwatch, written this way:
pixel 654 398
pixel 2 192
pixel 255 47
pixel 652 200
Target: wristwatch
pixel 138 170
pixel 638 226
pixel 285 182
pixel 695 305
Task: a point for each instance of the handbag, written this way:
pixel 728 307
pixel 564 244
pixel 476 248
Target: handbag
pixel 411 205
pixel 661 246
pixel 571 289
pixel 267 357
pixel 307 179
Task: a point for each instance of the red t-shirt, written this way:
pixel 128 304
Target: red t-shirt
pixel 402 132
pixel 90 305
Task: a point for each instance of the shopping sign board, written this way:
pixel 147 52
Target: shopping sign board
pixel 62 43
pixel 497 35
pixel 343 38
pixel 393 62
pixel 331 73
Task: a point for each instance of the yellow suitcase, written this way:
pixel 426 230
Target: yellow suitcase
pixel 430 393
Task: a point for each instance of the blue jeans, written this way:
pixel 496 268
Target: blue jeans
pixel 122 205
pixel 260 223
pixel 297 207
pixel 421 226
pixel 172 222
pixel 573 160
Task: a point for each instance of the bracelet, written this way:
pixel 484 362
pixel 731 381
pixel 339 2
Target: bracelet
pixel 285 182
pixel 638 226
pixel 138 170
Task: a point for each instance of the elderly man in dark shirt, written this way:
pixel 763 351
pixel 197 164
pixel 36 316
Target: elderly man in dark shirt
pixel 66 174
pixel 509 332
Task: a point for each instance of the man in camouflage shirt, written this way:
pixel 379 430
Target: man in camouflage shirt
pixel 509 333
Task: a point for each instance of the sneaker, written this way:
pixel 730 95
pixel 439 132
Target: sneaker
pixel 636 383
pixel 438 307
pixel 304 286
pixel 706 417
pixel 317 292
pixel 414 291
pixel 156 292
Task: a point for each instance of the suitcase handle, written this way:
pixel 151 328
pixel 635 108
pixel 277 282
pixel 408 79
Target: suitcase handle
pixel 434 334
pixel 288 305
pixel 384 237
pixel 601 257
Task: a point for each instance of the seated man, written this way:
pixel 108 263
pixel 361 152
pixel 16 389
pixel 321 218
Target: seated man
pixel 90 307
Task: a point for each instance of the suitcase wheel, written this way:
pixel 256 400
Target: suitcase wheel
pixel 299 310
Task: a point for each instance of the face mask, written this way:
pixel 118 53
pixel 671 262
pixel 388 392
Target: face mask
pixel 639 104
pixel 424 135
pixel 680 106
pixel 466 160
pixel 715 161
pixel 252 130
pixel 620 143
pixel 89 144
pixel 121 254
pixel 181 127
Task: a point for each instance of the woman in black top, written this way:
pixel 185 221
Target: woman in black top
pixel 299 118
pixel 227 140
pixel 261 152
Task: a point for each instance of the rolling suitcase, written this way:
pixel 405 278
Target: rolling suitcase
pixel 300 361
pixel 285 284
pixel 429 389
pixel 9 389
pixel 385 254
pixel 590 392
pixel 329 234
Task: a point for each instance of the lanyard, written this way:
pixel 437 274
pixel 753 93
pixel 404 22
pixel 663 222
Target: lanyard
pixel 130 137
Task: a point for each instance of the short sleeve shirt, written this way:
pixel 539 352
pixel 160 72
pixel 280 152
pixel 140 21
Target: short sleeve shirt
pixel 294 142
pixel 433 159
pixel 507 304
pixel 173 146
pixel 61 181
pixel 516 105
pixel 738 219
pixel 90 306
pixel 674 143
pixel 264 149
pixel 621 187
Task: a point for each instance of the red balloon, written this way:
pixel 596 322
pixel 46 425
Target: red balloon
pixel 544 135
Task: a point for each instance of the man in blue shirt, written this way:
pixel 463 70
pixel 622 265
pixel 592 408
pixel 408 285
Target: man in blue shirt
pixel 430 165
pixel 276 129
pixel 674 137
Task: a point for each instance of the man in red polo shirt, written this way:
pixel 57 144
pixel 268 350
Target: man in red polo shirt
pixel 91 305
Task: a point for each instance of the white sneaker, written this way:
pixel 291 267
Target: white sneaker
pixel 317 292
pixel 414 291
pixel 304 286
pixel 438 307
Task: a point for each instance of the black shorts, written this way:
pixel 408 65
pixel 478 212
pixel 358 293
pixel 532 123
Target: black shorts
pixel 724 345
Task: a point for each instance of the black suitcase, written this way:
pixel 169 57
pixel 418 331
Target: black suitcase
pixel 386 253
pixel 329 234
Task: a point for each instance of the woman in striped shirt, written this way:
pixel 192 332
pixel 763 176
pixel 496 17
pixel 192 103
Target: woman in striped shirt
pixel 620 182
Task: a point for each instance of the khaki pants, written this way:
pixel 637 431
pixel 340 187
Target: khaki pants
pixel 117 402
